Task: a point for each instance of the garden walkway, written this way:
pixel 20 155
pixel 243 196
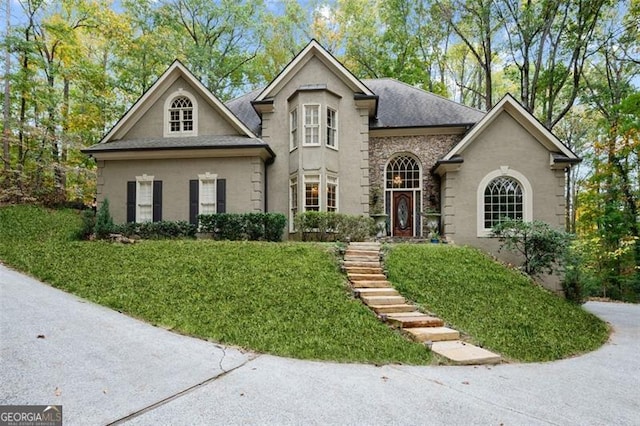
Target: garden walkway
pixel 364 270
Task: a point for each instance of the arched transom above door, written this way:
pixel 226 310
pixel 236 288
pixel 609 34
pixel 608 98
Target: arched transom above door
pixel 403 201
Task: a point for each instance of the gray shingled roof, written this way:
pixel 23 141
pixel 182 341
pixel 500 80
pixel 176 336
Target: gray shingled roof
pixel 179 143
pixel 399 105
pixel 243 109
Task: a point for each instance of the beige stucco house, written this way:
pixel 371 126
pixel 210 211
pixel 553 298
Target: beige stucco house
pixel 318 138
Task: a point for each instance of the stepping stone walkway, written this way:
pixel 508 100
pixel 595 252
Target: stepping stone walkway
pixel 370 284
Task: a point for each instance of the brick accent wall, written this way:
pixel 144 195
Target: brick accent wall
pixel 427 148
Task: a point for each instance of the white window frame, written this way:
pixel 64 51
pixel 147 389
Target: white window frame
pixel 310 180
pixel 167 115
pixel 140 203
pixel 313 129
pixel 332 130
pixel 332 180
pixel 294 131
pixel 202 179
pixel 527 197
pixel 293 201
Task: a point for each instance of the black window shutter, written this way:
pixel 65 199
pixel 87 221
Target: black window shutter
pixel 157 200
pixel 131 201
pixel 221 195
pixel 193 201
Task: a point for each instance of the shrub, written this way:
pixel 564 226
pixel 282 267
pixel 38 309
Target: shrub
pixel 88 225
pixel 542 247
pixel 244 226
pixel 574 277
pixel 324 226
pixel 158 230
pixel 104 221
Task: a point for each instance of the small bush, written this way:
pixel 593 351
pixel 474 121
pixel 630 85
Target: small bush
pixel 542 247
pixel 104 221
pixel 88 225
pixel 158 230
pixel 323 226
pixel 244 226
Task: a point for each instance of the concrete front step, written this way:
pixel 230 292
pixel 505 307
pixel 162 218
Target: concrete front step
pixel 433 334
pixel 371 284
pixel 463 353
pixel 363 270
pixel 385 291
pixel 383 300
pixel 392 309
pixel 417 320
pixel 367 277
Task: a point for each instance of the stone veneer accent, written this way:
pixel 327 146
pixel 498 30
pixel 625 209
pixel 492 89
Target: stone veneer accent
pixel 427 148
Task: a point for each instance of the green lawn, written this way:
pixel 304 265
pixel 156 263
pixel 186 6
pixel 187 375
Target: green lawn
pixel 286 299
pixel 290 299
pixel 500 308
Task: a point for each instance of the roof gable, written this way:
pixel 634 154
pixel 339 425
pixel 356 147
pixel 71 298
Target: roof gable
pixel 512 107
pixel 313 49
pixel 163 83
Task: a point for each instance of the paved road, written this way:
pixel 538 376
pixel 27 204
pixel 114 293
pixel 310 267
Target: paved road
pixel 103 367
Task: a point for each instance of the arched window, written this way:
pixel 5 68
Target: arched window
pixel 403 172
pixel 180 114
pixel 503 193
pixel 502 199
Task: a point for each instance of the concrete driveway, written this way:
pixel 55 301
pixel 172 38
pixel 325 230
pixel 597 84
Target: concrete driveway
pixel 105 367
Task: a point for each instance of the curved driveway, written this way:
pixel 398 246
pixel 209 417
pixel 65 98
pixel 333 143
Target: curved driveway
pixel 104 367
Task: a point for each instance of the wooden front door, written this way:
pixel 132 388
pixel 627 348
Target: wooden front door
pixel 403 214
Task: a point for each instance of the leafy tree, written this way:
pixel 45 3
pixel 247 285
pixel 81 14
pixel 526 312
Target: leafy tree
pixel 543 248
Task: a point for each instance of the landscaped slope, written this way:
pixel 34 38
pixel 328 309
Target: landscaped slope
pixel 500 308
pixel 287 299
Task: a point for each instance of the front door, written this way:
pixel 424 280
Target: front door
pixel 403 214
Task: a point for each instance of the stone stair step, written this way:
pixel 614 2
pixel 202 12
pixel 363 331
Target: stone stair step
pixel 392 309
pixel 463 353
pixel 411 321
pixel 364 246
pixel 363 270
pixel 385 291
pixel 433 334
pixel 371 284
pixel 362 252
pixel 383 300
pixel 353 264
pixel 367 277
pixel 375 259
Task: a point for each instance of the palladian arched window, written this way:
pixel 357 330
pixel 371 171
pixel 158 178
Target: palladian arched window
pixel 403 172
pixel 503 198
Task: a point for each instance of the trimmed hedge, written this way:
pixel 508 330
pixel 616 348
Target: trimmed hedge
pixel 244 226
pixel 324 226
pixel 157 230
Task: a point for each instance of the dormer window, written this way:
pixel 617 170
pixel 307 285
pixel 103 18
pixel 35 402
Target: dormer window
pixel 181 115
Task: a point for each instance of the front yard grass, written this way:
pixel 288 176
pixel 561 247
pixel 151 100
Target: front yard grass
pixel 500 308
pixel 285 299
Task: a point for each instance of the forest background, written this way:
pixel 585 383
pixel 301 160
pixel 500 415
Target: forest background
pixel 73 67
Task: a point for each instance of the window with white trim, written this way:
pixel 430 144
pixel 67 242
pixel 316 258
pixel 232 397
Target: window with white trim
pixel 293 201
pixel 144 199
pixel 207 193
pixel 311 124
pixel 293 129
pixel 503 193
pixel 332 128
pixel 180 114
pixel 332 194
pixel 502 200
pixel 312 193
